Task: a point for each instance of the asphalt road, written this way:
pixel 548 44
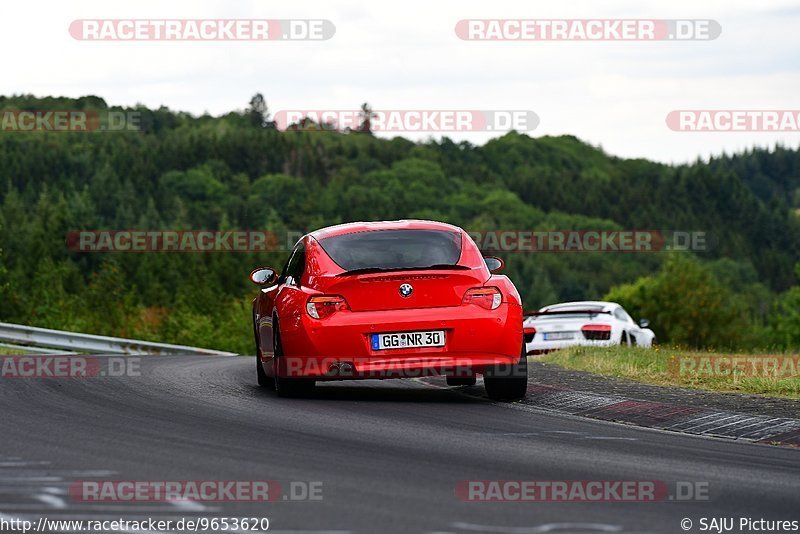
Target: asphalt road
pixel 389 454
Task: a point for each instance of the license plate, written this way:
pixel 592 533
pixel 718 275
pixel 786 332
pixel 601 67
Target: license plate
pixel 406 340
pixel 557 336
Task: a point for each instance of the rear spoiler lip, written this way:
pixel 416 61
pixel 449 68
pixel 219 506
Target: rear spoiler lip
pixel 564 312
pixel 403 270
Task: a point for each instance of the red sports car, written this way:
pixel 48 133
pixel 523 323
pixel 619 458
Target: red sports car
pixel 388 299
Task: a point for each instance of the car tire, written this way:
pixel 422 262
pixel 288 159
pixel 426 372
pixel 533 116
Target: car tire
pixel 288 387
pixel 461 380
pixel 263 380
pixel 507 382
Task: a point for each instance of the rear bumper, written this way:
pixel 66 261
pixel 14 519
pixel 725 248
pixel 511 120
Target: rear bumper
pixel 474 339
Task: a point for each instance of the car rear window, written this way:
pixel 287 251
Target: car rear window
pixel 393 249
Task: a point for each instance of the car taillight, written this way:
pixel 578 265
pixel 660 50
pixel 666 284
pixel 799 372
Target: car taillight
pixel 597 332
pixel 485 297
pixel 529 334
pixel 322 306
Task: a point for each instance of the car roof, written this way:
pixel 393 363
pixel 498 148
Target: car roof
pixel 406 224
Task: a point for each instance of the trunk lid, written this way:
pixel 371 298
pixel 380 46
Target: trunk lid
pixel 376 291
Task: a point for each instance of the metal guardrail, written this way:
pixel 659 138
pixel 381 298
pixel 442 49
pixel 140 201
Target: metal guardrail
pixel 35 337
pixel 35 350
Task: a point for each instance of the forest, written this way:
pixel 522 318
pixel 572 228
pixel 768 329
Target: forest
pixel 179 172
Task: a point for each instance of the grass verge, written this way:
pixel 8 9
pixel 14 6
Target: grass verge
pixel 725 372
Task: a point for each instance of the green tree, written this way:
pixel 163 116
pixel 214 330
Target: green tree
pixel 365 115
pixel 258 112
pixel 785 318
pixel 686 305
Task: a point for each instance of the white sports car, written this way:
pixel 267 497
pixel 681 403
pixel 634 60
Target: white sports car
pixel 583 323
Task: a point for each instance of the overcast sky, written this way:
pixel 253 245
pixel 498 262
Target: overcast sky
pixel 406 55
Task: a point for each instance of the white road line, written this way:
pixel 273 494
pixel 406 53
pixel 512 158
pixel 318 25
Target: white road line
pixel 780 428
pixel 609 438
pixel 22 463
pixel 694 420
pixel 187 505
pixel 743 419
pixel 713 423
pixel 31 479
pixel 103 508
pixel 761 421
pixel 51 500
pixel 548 527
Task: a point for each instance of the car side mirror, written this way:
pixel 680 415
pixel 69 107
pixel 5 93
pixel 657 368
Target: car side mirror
pixel 644 323
pixel 494 263
pixel 262 276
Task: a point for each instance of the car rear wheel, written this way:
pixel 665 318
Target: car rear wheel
pixel 507 382
pixel 263 379
pixel 288 387
pixel 461 380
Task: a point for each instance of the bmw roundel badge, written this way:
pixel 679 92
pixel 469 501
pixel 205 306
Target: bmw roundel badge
pixel 406 290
